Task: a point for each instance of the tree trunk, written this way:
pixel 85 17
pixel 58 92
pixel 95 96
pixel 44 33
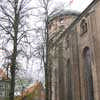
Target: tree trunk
pixel 14 54
pixel 12 86
pixel 46 64
pixel 13 69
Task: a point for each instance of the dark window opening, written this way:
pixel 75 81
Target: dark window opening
pixel 67 43
pixel 83 26
pixel 61 73
pixel 88 74
pixel 61 19
pixel 69 81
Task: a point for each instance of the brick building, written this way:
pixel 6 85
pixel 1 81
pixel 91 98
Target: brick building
pixel 74 57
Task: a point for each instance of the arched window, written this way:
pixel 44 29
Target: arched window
pixel 69 81
pixel 83 26
pixel 88 74
pixel 61 72
pixel 67 42
pixel 61 19
pixel 55 71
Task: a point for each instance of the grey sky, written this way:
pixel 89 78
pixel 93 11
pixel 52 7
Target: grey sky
pixel 78 5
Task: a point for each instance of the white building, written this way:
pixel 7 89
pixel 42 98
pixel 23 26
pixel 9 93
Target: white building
pixel 4 86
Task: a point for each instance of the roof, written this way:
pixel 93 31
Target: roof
pixel 64 13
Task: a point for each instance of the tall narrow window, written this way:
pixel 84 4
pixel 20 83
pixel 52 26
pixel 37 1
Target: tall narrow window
pixel 67 43
pixel 83 26
pixel 69 83
pixel 61 19
pixel 55 83
pixel 88 74
pixel 61 73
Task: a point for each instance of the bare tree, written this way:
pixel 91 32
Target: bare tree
pixel 15 35
pixel 46 12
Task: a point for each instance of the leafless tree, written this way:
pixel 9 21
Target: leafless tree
pixel 46 12
pixel 15 36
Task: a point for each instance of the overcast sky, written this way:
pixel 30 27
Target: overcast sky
pixel 78 5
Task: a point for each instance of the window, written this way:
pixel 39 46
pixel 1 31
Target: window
pixel 7 90
pixel 83 26
pixel 0 78
pixel 1 86
pixel 0 93
pixel 61 72
pixel 7 86
pixel 67 42
pixel 50 83
pixel 61 27
pixel 61 19
pixel 50 25
pixel 88 74
pixel 69 83
pixel 55 71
